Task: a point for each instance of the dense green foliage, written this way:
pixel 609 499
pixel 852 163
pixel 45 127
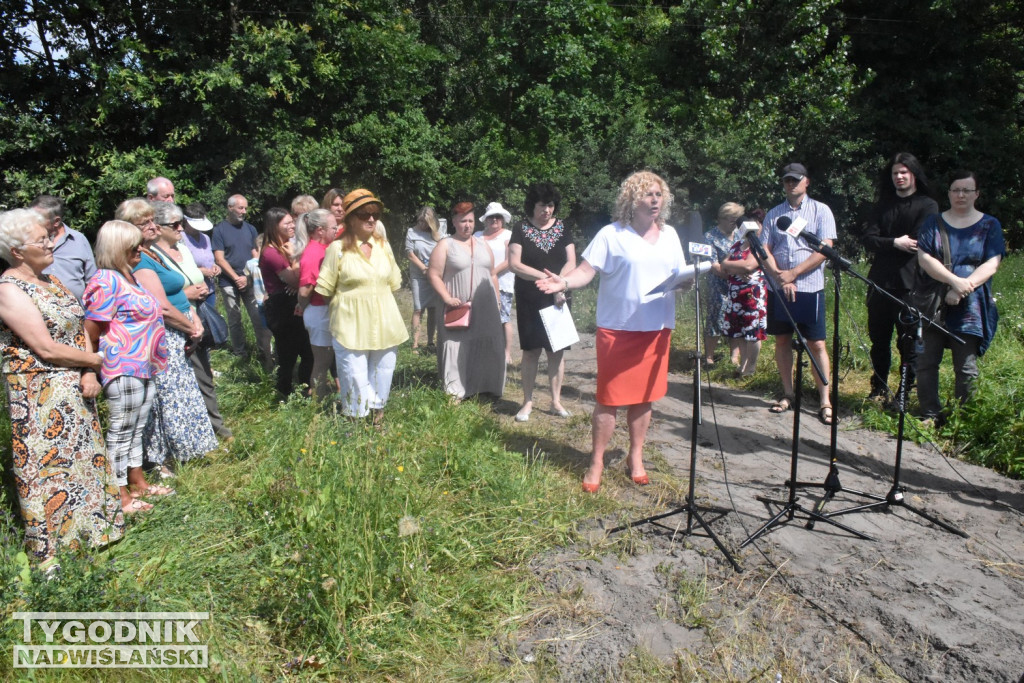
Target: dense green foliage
pixel 433 101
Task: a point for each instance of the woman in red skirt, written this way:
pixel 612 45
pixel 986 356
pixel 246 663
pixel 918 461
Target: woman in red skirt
pixel 634 255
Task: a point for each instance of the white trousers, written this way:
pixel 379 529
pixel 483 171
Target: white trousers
pixel 365 378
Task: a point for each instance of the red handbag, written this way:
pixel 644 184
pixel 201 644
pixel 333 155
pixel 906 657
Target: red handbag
pixel 456 317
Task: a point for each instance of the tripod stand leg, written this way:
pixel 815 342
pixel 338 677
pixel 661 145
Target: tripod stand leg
pixel 769 525
pixel 713 537
pixel 934 520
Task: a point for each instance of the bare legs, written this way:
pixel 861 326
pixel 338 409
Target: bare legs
pixel 556 373
pixel 749 352
pixel 735 350
pixel 417 318
pixel 784 359
pixel 638 419
pixel 508 342
pixel 711 343
pixel 323 385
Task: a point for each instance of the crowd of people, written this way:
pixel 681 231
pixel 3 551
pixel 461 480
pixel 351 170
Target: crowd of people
pixel 134 317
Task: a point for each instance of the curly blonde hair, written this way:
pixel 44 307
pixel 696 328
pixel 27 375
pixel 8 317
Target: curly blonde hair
pixel 632 191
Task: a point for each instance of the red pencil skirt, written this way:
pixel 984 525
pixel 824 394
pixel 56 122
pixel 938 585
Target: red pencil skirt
pixel 632 367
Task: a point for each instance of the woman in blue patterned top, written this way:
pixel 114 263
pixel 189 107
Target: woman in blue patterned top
pixel 721 238
pixel 976 247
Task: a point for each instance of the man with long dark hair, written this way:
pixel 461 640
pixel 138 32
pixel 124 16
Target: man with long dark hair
pixel 904 200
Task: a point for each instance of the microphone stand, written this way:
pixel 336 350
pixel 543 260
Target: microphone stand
pixel 895 496
pixel 791 506
pixel 690 507
pixel 832 485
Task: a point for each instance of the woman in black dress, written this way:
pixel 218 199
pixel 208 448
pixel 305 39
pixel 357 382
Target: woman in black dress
pixel 540 243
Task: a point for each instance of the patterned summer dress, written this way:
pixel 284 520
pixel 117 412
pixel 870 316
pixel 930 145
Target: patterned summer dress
pixel 746 314
pixel 718 288
pixel 67 494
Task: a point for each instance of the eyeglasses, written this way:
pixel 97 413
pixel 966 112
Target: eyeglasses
pixel 46 241
pixel 961 191
pixel 142 224
pixel 367 215
pixel 173 226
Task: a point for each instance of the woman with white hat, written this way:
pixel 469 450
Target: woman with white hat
pixel 496 235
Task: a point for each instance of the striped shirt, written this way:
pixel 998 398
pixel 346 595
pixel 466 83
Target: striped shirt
pixel 791 251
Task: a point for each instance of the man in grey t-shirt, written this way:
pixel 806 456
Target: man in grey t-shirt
pixel 234 243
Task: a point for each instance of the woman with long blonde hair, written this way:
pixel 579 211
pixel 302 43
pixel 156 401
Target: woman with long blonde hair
pixel 420 241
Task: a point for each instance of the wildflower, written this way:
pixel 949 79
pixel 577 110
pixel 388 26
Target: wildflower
pixel 408 526
pixel 329 584
pixel 401 469
pixel 302 450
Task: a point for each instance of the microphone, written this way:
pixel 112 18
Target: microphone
pixel 702 250
pixel 749 230
pixel 795 228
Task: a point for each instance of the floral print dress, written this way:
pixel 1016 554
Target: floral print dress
pixel 67 495
pixel 746 313
pixel 718 288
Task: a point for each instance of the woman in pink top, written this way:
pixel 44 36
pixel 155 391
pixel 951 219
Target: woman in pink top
pixel 126 326
pixel 321 226
pixel 280 273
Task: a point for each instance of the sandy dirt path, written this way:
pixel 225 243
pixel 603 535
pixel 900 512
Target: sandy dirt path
pixel 917 604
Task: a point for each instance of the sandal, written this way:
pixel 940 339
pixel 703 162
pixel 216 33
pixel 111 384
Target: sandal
pixel 781 405
pixel 136 506
pixel 825 415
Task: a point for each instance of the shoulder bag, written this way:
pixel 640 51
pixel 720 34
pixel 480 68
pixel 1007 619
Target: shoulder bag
pixel 929 295
pixel 215 328
pixel 456 317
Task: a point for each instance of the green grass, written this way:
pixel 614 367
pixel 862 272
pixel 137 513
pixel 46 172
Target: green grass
pixel 378 552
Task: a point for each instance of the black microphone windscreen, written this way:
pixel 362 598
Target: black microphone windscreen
pixel 783 222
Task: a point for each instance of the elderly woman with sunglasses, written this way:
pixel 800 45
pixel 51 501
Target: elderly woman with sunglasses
pixel 178 428
pixel 171 247
pixel 64 487
pixel 359 276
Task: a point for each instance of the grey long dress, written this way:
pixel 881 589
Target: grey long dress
pixel 471 360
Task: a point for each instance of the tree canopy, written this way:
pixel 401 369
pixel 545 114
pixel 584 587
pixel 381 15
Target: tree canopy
pixel 428 102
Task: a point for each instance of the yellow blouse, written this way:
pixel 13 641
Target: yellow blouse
pixel 364 313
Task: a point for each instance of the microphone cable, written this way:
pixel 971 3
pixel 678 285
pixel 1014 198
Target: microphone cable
pixel 789 584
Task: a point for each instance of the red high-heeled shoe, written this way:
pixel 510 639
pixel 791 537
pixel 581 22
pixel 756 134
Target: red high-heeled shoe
pixel 642 480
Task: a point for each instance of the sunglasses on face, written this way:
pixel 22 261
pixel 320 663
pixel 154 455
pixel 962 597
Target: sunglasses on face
pixel 173 226
pixel 367 215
